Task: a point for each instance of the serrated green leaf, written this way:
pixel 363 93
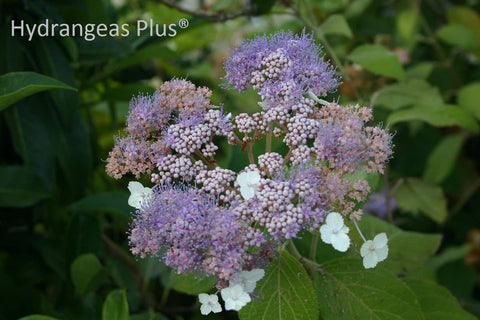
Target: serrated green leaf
pixel 18 85
pixel 438 116
pixel 458 35
pixel 408 251
pixel 86 272
pixel 115 306
pixel 37 317
pixel 436 302
pixel 286 292
pixel 469 99
pixel 443 158
pixel 378 59
pixel 345 290
pixel 336 24
pixel 411 92
pixel 192 283
pixel 20 187
pixel 417 195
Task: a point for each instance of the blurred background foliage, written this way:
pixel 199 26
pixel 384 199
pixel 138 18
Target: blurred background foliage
pixel 63 222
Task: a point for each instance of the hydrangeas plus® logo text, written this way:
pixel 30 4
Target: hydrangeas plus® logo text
pixel 91 31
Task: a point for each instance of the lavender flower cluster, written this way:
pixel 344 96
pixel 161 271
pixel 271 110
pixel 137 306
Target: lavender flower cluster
pixel 217 221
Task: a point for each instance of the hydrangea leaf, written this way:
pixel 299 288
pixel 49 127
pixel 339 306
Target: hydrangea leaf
pixel 417 195
pixel 411 92
pixel 18 85
pixel 86 272
pixel 337 24
pixel 379 60
pixel 192 283
pixel 468 98
pixel 408 251
pixel 438 116
pixel 458 35
pixel 436 302
pixel 345 290
pixel 286 292
pixel 443 158
pixel 115 306
pixel 20 187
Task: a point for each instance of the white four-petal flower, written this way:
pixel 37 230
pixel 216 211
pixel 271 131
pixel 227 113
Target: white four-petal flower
pixel 138 194
pixel 374 251
pixel 235 297
pixel 248 182
pixel 209 303
pixel 334 231
pixel 247 279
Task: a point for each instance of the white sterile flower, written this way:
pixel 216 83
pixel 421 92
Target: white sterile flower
pixel 374 251
pixel 139 194
pixel 247 279
pixel 209 303
pixel 248 182
pixel 235 297
pixel 334 231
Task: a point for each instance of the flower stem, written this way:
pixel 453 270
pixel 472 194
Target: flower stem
pixel 313 248
pixel 268 146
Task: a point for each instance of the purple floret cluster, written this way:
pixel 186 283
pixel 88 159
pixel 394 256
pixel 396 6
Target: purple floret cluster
pixel 218 221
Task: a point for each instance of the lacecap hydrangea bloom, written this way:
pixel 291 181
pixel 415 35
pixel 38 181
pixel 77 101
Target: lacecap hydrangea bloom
pixel 200 217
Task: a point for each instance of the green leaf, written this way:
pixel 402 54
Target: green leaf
pixel 18 85
pixel 37 317
pixel 411 92
pixel 450 254
pixel 443 158
pixel 86 272
pixel 421 71
pixel 345 290
pixel 469 99
pixel 192 283
pixel 407 22
pixel 408 251
pixel 20 187
pixel 286 292
pixel 458 35
pixel 377 59
pixel 111 202
pixel 437 116
pixel 336 24
pixel 83 235
pixel 465 16
pixel 436 302
pixel 417 195
pixel 115 306
pixel 356 8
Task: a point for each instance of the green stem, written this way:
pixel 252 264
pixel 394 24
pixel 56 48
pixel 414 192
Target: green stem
pixel 313 248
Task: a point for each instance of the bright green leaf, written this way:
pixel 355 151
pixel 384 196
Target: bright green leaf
pixel 356 8
pixel 115 306
pixel 192 283
pixel 437 116
pixel 407 24
pixel 436 302
pixel 443 158
pixel 286 293
pixel 378 59
pixel 417 195
pixel 18 85
pixel 412 92
pixel 467 17
pixel 469 99
pixel 421 71
pixel 408 251
pixel 86 272
pixel 346 290
pixel 37 317
pixel 458 35
pixel 20 187
pixel 336 24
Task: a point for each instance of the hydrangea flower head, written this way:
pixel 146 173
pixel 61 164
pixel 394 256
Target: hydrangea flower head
pixel 139 194
pixel 209 303
pixel 334 232
pixel 235 297
pixel 374 251
pixel 281 66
